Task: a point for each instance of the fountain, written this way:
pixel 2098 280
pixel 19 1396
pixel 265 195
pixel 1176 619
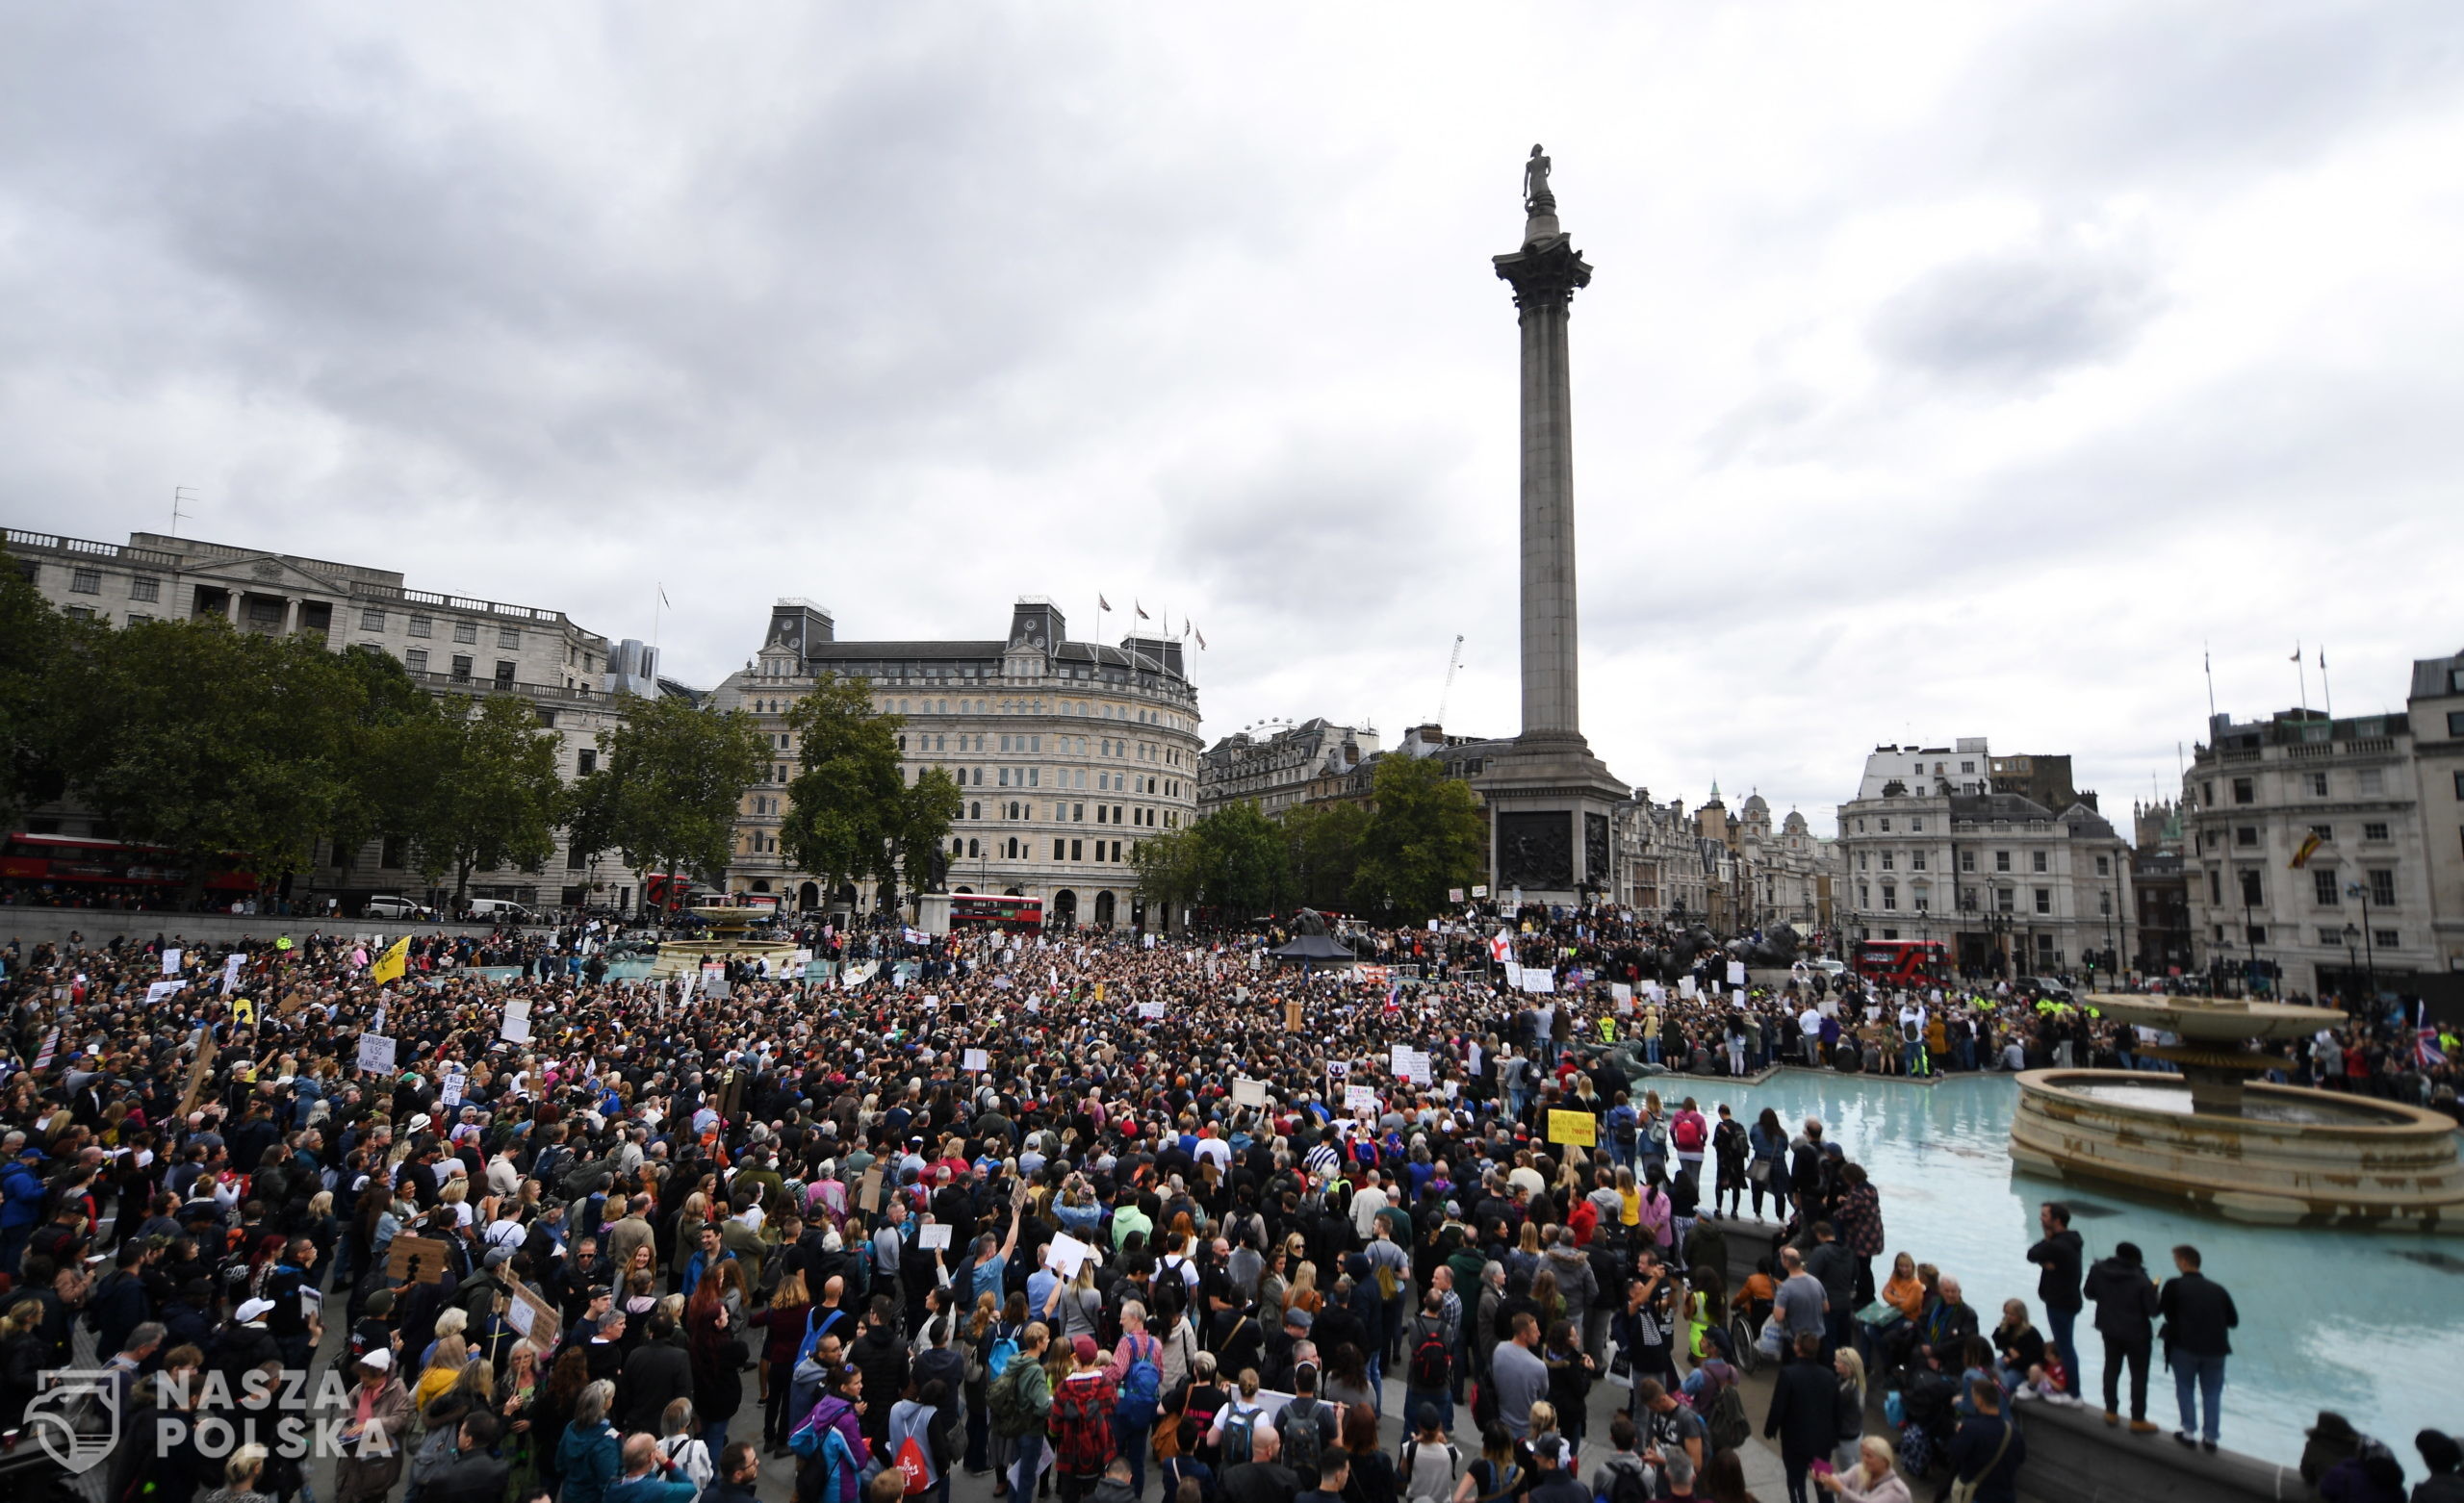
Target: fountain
pixel 727 940
pixel 2217 1138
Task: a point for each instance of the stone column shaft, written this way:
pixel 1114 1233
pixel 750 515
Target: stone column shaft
pixel 1552 695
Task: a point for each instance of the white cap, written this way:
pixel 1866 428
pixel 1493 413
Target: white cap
pixel 381 1359
pixel 254 1309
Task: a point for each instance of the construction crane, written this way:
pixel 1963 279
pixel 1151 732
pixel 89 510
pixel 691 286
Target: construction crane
pixel 1453 663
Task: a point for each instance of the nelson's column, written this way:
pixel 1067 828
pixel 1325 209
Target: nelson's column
pixel 1549 798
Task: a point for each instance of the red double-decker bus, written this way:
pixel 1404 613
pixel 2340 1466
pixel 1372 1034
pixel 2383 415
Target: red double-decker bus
pixel 84 864
pixel 995 911
pixel 1903 962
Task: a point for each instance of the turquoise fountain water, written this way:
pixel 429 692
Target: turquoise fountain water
pixel 2365 1323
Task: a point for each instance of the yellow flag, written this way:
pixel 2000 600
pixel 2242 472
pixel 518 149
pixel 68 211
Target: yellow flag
pixel 2310 843
pixel 391 965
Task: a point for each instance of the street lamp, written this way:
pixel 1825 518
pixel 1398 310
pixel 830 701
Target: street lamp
pixel 2352 961
pixel 2369 956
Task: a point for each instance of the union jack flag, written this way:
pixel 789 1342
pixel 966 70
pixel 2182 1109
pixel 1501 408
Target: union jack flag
pixel 2429 1052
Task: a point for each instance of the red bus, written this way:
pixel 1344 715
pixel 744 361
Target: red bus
pixel 995 911
pixel 1903 962
pixel 99 865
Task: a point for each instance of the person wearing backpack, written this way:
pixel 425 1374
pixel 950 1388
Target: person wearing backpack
pixel 1137 1371
pixel 1429 1361
pixel 1496 1476
pixel 1083 1408
pixel 1020 1400
pixel 1308 1425
pixel 1429 1463
pixel 1691 1133
pixel 1625 1477
pixel 920 1446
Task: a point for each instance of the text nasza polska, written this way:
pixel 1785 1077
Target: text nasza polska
pixel 308 1423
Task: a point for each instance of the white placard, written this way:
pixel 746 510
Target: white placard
pixel 1513 977
pixel 449 1094
pixel 1065 1254
pixel 1150 1010
pixel 517 1007
pixel 1246 1092
pixel 1685 986
pixel 933 1234
pixel 375 1054
pixel 1737 973
pixel 1407 1064
pixel 977 1059
pixel 1539 982
pixel 156 991
pixel 1621 993
pixel 231 973
pixel 171 961
pixel 516 1030
pixel 1361 1101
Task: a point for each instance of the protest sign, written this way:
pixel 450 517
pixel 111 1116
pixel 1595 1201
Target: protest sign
pixel 1065 1255
pixel 977 1059
pixel 1361 1101
pixel 1407 1064
pixel 1246 1092
pixel 156 991
pixel 426 1254
pixel 534 1317
pixel 1684 987
pixel 933 1234
pixel 171 961
pixel 1513 977
pixel 1150 1010
pixel 1573 1126
pixel 1538 981
pixel 377 1054
pixel 1292 1016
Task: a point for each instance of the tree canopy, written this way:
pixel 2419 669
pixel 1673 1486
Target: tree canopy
pixel 668 786
pixel 850 814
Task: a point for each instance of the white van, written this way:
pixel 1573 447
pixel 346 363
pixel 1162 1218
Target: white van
pixel 384 907
pixel 502 910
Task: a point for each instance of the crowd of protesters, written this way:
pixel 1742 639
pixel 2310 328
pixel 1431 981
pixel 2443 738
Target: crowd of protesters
pixel 1075 1212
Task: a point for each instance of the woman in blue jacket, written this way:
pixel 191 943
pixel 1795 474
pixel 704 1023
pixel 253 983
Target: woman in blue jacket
pixel 590 1454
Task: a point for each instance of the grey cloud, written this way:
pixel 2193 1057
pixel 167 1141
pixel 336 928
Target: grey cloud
pixel 2015 320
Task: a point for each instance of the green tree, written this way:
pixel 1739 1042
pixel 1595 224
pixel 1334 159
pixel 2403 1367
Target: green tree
pixel 924 815
pixel 394 734
pixel 669 783
pixel 1172 870
pixel 228 748
pixel 1425 836
pixel 1323 841
pixel 43 655
pixel 847 804
pixel 494 797
pixel 1248 868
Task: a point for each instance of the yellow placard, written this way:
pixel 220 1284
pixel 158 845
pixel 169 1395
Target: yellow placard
pixel 242 1011
pixel 1573 1126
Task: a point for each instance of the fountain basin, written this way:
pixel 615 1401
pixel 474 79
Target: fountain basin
pixel 2292 1158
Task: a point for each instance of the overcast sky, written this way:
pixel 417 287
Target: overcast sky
pixel 1948 369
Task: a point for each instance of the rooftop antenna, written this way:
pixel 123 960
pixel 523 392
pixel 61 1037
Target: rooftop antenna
pixel 179 493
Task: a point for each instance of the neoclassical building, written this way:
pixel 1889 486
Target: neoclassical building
pixel 1068 753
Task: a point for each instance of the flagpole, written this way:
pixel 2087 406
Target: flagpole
pixel 2326 689
pixel 2302 671
pixel 2207 663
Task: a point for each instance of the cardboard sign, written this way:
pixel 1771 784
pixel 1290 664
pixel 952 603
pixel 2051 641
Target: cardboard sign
pixel 1573 1126
pixel 432 1257
pixel 868 1190
pixel 1292 1016
pixel 198 1072
pixel 534 1317
pixel 1246 1092
pixel 377 1054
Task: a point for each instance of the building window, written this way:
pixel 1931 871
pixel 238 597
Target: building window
pixel 2325 832
pixel 2246 836
pixel 1886 823
pixel 1917 861
pixel 136 619
pixel 2037 861
pixel 372 620
pixel 509 638
pixel 1059 851
pixel 2044 899
pixel 84 581
pixel 1887 859
pixel 461 668
pixel 586 761
pixel 2325 889
pixel 1917 825
pixel 2373 779
pixel 2216 891
pixel 2331 937
pixel 466 631
pixel 1968 861
pixel 2001 860
pixel 144 587
pixel 421 626
pixel 2382 887
pixel 2244 791
pixel 2456 723
pixel 2374 831
pixel 2104 866
pixel 2383 938
pixel 2258 933
pixel 504 675
pixel 416 660
pixel 2314 784
pixel 2252 895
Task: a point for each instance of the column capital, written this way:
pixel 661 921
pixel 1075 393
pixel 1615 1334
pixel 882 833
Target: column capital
pixel 1545 273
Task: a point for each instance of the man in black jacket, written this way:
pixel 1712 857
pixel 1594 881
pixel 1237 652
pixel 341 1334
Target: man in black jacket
pixel 882 1357
pixel 1805 1413
pixel 2126 1317
pixel 2057 1256
pixel 659 1372
pixel 474 1475
pixel 1989 1450
pixel 2198 1317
